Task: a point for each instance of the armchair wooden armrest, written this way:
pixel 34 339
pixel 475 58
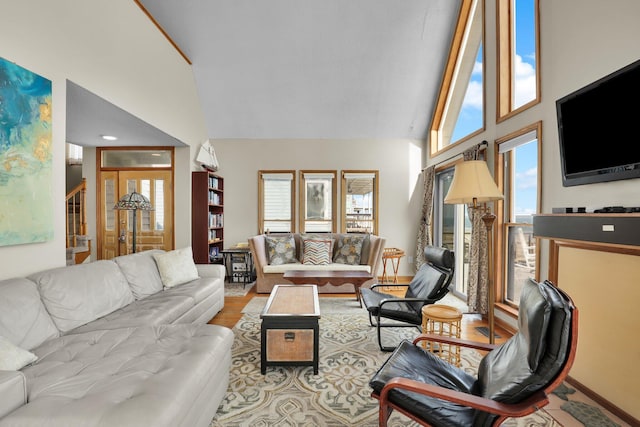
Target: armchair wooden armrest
pixel 478 345
pixel 520 409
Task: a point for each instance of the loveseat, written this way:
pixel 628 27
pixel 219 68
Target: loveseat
pixel 122 342
pixel 274 254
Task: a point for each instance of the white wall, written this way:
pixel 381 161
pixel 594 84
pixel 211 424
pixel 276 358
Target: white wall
pixel 398 162
pixel 113 50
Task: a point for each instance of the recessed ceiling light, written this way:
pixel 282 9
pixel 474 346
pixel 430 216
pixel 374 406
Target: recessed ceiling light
pixel 109 137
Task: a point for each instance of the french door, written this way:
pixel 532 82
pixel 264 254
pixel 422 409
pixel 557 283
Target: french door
pixel 153 229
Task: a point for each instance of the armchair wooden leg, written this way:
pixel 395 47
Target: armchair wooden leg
pixel 383 415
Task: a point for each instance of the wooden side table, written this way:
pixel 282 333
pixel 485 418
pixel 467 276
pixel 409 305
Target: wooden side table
pixel 393 254
pixel 444 320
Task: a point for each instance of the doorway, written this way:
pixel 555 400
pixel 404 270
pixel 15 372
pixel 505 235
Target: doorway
pixel 115 228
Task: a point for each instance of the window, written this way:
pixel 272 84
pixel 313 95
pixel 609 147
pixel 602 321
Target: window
pixel 519 159
pixel 317 201
pixel 360 202
pixel 276 193
pixel 452 230
pixel 136 158
pixel 518 53
pixel 459 112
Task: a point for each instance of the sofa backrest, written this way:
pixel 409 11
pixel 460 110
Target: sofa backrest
pixel 141 271
pixel 24 321
pixel 78 294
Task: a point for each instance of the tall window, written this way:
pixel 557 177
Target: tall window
pixel 360 202
pixel 459 112
pixel 452 230
pixel 519 158
pixel 317 201
pixel 276 201
pixel 518 56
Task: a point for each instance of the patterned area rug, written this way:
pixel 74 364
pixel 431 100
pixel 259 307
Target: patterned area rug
pixel 339 395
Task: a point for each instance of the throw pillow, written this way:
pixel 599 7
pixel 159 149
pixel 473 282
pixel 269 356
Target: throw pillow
pixel 281 249
pixel 176 267
pixel 349 249
pixel 12 357
pixel 317 252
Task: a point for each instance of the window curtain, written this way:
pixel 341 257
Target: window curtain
pixel 477 288
pixel 424 228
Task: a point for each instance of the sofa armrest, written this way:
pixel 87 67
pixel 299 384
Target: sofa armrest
pixel 13 389
pixel 259 253
pixel 375 254
pixel 211 270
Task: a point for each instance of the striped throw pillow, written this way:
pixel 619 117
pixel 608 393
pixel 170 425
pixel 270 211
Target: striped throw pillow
pixel 317 252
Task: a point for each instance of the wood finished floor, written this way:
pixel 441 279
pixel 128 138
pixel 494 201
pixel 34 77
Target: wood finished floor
pixel 232 312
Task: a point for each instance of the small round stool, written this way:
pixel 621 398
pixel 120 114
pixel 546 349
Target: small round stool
pixel 439 319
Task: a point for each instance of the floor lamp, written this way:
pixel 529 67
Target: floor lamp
pixel 473 184
pixel 134 202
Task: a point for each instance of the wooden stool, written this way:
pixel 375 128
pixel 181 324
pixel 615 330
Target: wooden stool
pixel 394 254
pixel 439 319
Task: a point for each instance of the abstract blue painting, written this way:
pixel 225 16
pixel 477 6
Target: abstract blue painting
pixel 26 205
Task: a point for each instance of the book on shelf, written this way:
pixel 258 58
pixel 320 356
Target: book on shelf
pixel 214 198
pixel 215 220
pixel 213 183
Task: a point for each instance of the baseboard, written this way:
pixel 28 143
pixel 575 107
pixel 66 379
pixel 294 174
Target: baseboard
pixel 628 418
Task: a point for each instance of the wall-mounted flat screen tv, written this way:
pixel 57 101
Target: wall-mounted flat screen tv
pixel 599 129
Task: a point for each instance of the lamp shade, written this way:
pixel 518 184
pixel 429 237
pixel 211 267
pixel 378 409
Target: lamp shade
pixel 472 184
pixel 134 201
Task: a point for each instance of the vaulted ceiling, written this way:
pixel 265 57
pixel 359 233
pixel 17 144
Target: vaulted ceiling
pixel 336 69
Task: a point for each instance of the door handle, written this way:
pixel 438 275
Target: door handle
pixel 123 237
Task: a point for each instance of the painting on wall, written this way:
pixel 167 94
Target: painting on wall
pixel 26 203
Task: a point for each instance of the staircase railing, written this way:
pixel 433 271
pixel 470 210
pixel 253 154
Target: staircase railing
pixel 76 214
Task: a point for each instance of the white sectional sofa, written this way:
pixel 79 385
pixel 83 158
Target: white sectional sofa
pixel 113 345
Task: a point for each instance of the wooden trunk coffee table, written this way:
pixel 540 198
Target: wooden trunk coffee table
pixel 289 333
pixel 333 277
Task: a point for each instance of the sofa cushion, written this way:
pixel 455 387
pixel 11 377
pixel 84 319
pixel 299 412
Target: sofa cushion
pixel 23 318
pixel 349 249
pixel 317 252
pixel 157 309
pixel 176 267
pixel 12 357
pixel 147 376
pixel 271 269
pixel 141 272
pixel 280 249
pixel 198 290
pixel 78 294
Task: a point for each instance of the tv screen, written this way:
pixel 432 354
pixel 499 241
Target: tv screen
pixel 598 127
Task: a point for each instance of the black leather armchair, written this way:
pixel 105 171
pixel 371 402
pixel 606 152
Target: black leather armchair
pixel 514 379
pixel 430 284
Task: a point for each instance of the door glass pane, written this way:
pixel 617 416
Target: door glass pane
pixel 109 203
pixel 453 231
pixel 145 216
pixel 159 204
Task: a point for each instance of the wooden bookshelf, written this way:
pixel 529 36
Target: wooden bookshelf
pixel 207 217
